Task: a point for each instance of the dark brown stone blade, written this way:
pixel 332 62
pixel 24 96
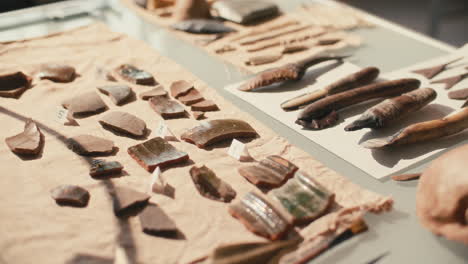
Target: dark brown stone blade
pixel 205 106
pixel 70 195
pixel 192 97
pixel 214 131
pixel 124 124
pixel 127 200
pixel 134 75
pixel 260 217
pixel 28 142
pixel 461 94
pixel 85 104
pixel 155 222
pixel 451 81
pixel 158 91
pixel 166 107
pixel 14 84
pixel 179 88
pixel 119 94
pixel 102 168
pixel 202 26
pixel 210 186
pixel 270 172
pixel 57 72
pixel 88 145
pixel 156 152
pixel 406 177
pixel 431 72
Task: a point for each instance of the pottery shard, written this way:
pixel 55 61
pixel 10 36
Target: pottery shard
pixel 244 11
pixel 124 123
pixel 88 145
pixel 70 195
pixel 155 222
pixel 303 198
pixel 135 75
pixel 202 26
pixel 214 131
pixel 156 152
pixel 28 142
pixel 260 217
pixel 119 94
pixel 188 9
pixel 192 97
pixel 198 115
pixel 158 91
pixel 126 200
pixel 57 72
pixel 210 186
pixel 14 84
pixel 205 106
pixel 179 88
pixel 166 107
pixel 85 104
pixel 451 81
pixel 270 172
pixel 101 168
pixel 461 94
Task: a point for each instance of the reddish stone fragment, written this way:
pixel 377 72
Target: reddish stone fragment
pixel 28 142
pixel 85 104
pixel 155 222
pixel 156 152
pixel 166 107
pixel 57 72
pixel 124 123
pixel 134 75
pixel 88 145
pixel 70 195
pixel 179 88
pixel 192 97
pixel 205 106
pixel 14 84
pixel 158 91
pixel 126 200
pixel 210 186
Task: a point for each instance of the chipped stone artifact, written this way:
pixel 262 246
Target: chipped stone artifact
pixel 124 123
pixel 119 94
pixel 271 172
pixel 210 186
pixel 28 142
pixel 14 84
pixel 134 75
pixel 85 104
pixel 57 72
pixel 70 195
pixel 88 145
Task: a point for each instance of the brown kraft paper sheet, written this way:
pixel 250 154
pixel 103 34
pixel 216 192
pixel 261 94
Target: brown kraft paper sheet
pixel 240 55
pixel 35 229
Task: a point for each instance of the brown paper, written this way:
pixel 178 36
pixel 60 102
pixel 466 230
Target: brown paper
pixel 35 229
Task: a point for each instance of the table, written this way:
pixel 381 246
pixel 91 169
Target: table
pixel 388 47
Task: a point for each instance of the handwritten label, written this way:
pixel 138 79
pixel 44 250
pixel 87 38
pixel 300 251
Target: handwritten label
pixel 236 149
pixel 157 182
pixel 62 115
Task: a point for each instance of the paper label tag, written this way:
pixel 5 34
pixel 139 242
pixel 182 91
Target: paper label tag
pixel 156 182
pixel 61 116
pixel 162 129
pixel 236 149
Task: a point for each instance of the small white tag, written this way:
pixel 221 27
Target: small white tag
pixel 236 149
pixel 162 130
pixel 62 115
pixel 157 182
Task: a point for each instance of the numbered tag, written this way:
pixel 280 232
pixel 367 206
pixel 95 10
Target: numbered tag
pixel 157 182
pixel 237 149
pixel 62 115
pixel 162 130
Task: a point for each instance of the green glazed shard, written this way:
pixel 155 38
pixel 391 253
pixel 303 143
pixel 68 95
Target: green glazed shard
pixel 303 197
